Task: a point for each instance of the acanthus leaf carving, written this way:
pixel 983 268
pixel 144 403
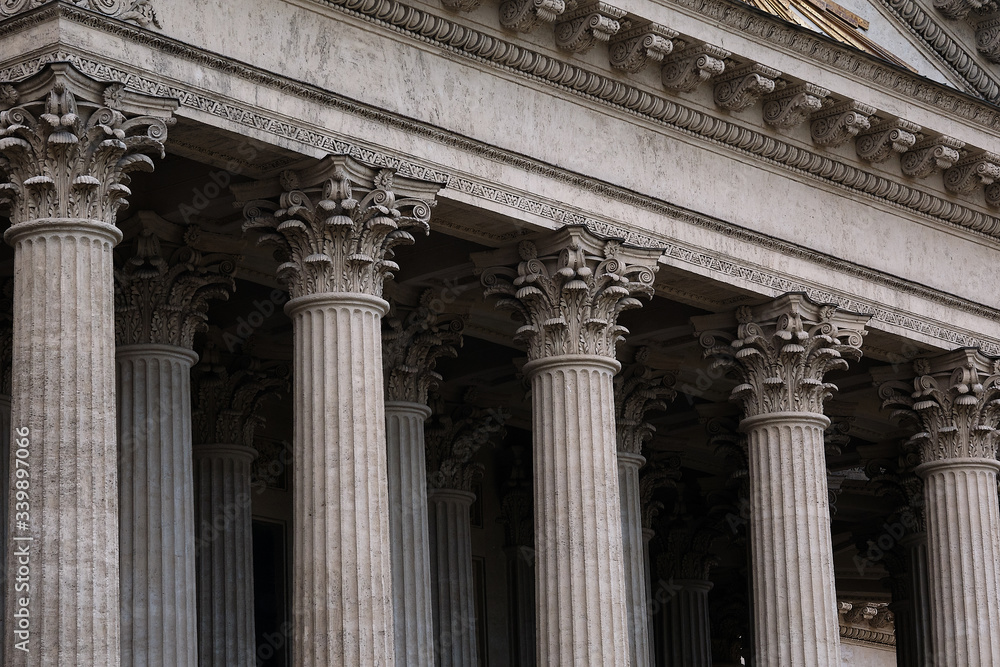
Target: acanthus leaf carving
pixel 569 292
pixel 645 43
pixel 740 88
pixel 975 169
pixel 586 25
pixel 462 5
pixel 931 155
pixel 690 66
pixel 838 123
pixel 957 9
pixel 65 154
pixel 659 473
pixel 687 552
pixel 898 483
pixel 336 224
pixel 886 137
pixel 791 105
pixel 411 345
pixel 639 390
pixel 988 38
pixel 455 437
pixel 526 15
pixel 782 351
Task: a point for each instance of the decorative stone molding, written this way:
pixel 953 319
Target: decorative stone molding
pixel 569 290
pixel 792 105
pixel 993 194
pixel 958 9
pixel 975 169
pixel 227 396
pixel 837 435
pixel 740 88
pixel 782 351
pixel 870 622
pixel 955 402
pixel 988 38
pixel 525 15
pixel 686 552
pixel 931 155
pixel 411 346
pixel 658 473
pixel 165 301
pixel 644 43
pixel 639 390
pixel 462 5
pixel 886 137
pixel 838 123
pixel 137 11
pixel 690 66
pixel 65 153
pixel 455 438
pixel 338 223
pixel 586 25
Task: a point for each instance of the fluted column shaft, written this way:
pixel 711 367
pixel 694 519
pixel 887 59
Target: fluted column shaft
pixel 159 621
pixel 63 418
pixel 453 595
pixel 795 603
pixel 411 574
pixel 224 544
pixel 580 584
pixel 633 554
pixel 913 614
pixel 4 505
pixel 521 604
pixel 963 567
pixel 687 636
pixel 341 589
pixel 647 571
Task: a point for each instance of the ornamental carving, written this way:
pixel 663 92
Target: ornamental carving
pixel 136 11
pixel 957 9
pixel 569 290
pixel 954 400
pixel 586 25
pixel 740 88
pixel 65 154
pixel 837 435
pixel 729 444
pixel 988 38
pixel 162 297
pixel 658 473
pixel 993 194
pixel 227 397
pixel 462 5
pixel 335 226
pixel 693 65
pixel 838 123
pixel 687 552
pixel 885 138
pixel 897 482
pixel 975 169
pixel 412 342
pixel 931 155
pixel 454 439
pixel 792 105
pixel 782 351
pixel 526 15
pixel 639 390
pixel 644 43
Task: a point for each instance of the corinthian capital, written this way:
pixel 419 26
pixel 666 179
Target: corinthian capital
pixel 455 438
pixel 164 299
pixel 227 396
pixel 336 225
pixel 411 345
pixel 639 390
pixel 781 351
pixel 658 473
pixel 954 400
pixel 67 149
pixel 569 290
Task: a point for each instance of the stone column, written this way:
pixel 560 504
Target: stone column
pixel 451 443
pixel 337 224
pixel 6 350
pixel 638 391
pixel 412 343
pixel 568 291
pixel 657 474
pixel 161 302
pixel 780 355
pixel 910 604
pixel 226 413
pixel 66 157
pixel 953 400
pixel 516 515
pixel 687 634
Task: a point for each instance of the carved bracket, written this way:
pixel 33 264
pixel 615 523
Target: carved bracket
pixel 931 155
pixel 740 88
pixel 838 123
pixel 684 71
pixel 885 138
pixel 988 38
pixel 975 169
pixel 957 9
pixel 525 15
pixel 586 25
pixel 631 50
pixel 788 107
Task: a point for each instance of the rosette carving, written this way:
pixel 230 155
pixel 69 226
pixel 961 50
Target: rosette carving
pixel 411 345
pixel 633 49
pixel 569 291
pixel 586 25
pixel 885 138
pixel 136 11
pixel 954 401
pixel 838 123
pixel 525 15
pixel 693 65
pixel 455 438
pixel 639 390
pixel 336 225
pixel 739 89
pixel 63 154
pixel 993 194
pixel 931 155
pixel 793 104
pixel 782 351
pixel 160 299
pixel 976 169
